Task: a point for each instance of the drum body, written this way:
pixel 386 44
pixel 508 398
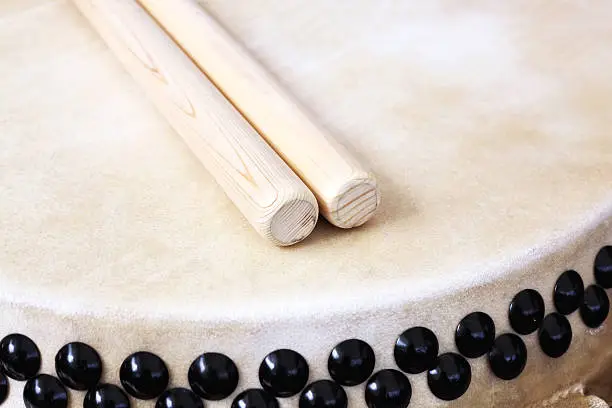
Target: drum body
pixel 488 125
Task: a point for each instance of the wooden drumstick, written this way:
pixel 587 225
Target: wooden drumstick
pixel 272 198
pixel 347 193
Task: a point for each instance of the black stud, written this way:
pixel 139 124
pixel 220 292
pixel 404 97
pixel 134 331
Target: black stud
pixel 19 357
pixel 213 376
pixel 254 398
pixel 526 311
pixel 451 377
pixel 568 292
pixel 555 335
pixel 475 334
pixel 4 387
pixel 106 396
pixel 45 391
pixel 508 356
pixel 388 389
pixel 603 267
pixel 78 366
pixel 179 398
pixel 323 394
pixel 595 307
pixel 416 350
pixel 351 362
pixel 144 375
pixel 283 373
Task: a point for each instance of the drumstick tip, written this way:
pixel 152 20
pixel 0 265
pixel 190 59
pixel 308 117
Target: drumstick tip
pixel 355 203
pixel 294 221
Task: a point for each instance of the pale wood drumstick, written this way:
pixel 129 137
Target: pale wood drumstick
pixel 348 194
pixel 272 198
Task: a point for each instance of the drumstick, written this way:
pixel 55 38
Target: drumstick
pixel 347 193
pixel 271 197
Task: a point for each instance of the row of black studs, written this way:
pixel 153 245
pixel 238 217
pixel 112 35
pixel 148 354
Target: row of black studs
pixel 284 373
pixel 449 374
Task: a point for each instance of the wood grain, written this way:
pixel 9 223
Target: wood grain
pixel 348 194
pixel 271 197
